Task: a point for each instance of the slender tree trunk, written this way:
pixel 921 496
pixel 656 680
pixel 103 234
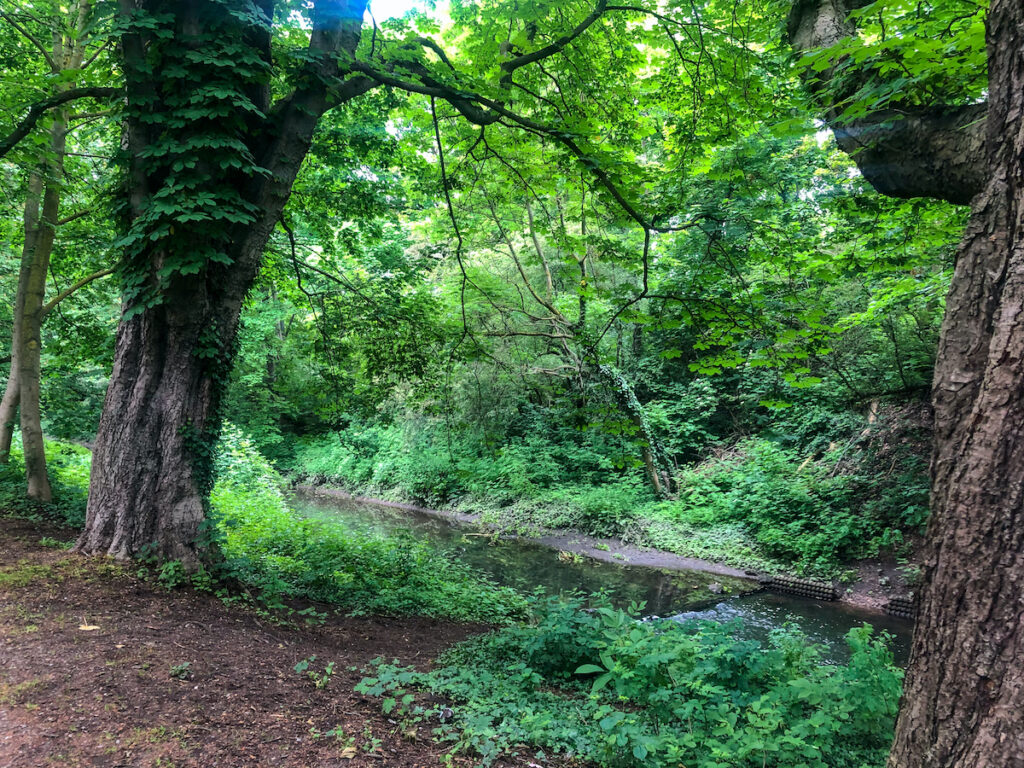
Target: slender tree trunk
pixel 12 392
pixel 30 332
pixel 656 465
pixel 9 406
pixel 963 704
pixel 22 391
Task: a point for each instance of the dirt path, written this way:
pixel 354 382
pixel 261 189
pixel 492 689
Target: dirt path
pixel 87 650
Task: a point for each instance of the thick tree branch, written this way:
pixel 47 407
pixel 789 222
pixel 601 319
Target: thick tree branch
pixel 49 306
pixel 37 110
pixel 512 65
pixel 935 152
pixel 480 110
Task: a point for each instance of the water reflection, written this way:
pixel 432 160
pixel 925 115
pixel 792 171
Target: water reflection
pixel 682 595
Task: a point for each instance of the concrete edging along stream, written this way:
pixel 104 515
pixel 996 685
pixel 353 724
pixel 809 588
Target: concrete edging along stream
pixel 613 551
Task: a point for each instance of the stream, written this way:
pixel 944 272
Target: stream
pixel 680 594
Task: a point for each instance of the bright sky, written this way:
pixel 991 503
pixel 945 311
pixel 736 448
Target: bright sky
pixel 385 9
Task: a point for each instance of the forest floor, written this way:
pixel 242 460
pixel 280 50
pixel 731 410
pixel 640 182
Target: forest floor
pixel 88 653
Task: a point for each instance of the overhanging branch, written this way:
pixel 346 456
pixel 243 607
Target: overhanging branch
pixel 40 108
pixel 49 306
pixel 936 151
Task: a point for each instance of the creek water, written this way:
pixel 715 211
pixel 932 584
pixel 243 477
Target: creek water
pixel 679 594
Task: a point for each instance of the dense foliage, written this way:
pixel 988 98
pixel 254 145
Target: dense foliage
pixel 563 264
pixel 682 352
pixel 269 549
pixel 600 686
pixel 265 551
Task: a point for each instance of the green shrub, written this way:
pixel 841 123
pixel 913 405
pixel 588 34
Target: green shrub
pixel 798 511
pixel 68 469
pixel 265 546
pixel 601 687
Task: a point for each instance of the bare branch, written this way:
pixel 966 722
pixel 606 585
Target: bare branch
pixel 32 39
pixel 37 110
pixel 49 306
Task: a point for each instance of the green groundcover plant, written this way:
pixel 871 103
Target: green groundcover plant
pixel 261 546
pixel 586 681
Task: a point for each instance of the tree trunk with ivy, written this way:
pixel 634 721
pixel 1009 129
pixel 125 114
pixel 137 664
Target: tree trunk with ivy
pixel 656 463
pixel 963 700
pixel 199 222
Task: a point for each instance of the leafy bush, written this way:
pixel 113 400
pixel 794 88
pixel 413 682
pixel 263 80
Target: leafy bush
pixel 798 511
pixel 603 687
pixel 68 468
pixel 264 545
pixel 810 494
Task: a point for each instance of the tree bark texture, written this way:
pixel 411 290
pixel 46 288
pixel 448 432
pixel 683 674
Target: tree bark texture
pixel 151 468
pixel 963 698
pixel 963 704
pixel 12 392
pixel 937 151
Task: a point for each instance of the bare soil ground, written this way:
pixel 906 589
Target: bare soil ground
pixel 87 651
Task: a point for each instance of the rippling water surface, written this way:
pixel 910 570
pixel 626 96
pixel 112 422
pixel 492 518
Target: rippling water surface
pixel 681 595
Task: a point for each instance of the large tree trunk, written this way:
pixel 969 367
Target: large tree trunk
pixel 963 698
pixel 963 702
pixel 152 462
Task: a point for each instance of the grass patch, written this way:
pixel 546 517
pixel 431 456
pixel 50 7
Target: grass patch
pixel 24 573
pixel 279 555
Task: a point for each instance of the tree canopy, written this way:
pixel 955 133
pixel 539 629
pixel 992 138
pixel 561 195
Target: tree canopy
pixel 685 272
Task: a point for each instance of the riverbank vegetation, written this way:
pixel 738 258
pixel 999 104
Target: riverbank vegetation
pixel 689 274
pixel 598 686
pixel 743 379
pixel 270 557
